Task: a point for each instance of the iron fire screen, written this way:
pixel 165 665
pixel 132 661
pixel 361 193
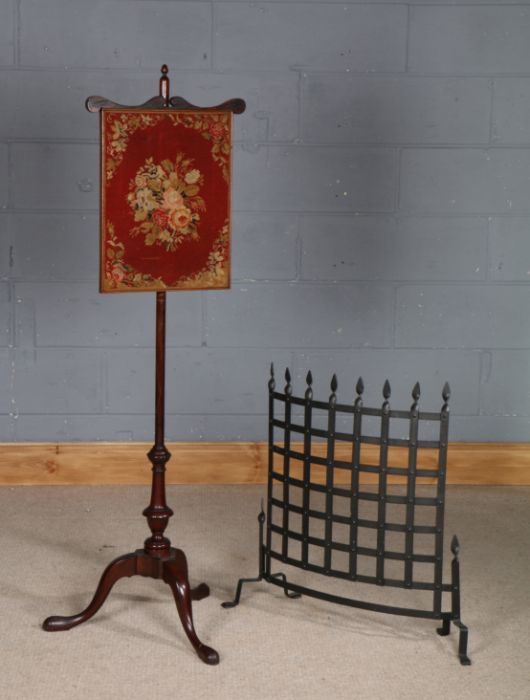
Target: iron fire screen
pixel 326 463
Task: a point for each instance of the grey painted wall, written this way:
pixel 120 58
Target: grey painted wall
pixel 381 212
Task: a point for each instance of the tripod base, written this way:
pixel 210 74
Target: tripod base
pixel 171 567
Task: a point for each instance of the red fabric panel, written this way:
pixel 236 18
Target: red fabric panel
pixel 165 200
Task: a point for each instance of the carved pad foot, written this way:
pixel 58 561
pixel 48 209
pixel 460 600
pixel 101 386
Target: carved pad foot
pixel 172 568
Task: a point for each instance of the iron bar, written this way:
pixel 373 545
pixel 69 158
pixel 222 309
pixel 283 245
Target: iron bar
pixel 286 460
pixel 440 510
pixel 383 462
pixel 411 485
pixel 271 386
pixel 330 454
pixel 356 460
pixel 307 468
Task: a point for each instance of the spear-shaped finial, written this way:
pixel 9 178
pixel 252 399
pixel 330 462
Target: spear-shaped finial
pixel 333 396
pixel 446 395
pixel 416 391
pixel 455 546
pixel 288 386
pixel 386 390
pixel 309 390
pixel 359 388
pixel 272 382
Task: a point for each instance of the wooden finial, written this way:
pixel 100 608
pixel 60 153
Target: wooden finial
pixel 164 84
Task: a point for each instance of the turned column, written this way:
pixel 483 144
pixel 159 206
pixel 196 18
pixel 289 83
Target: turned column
pixel 158 512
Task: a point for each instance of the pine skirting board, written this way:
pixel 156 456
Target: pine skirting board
pixel 485 463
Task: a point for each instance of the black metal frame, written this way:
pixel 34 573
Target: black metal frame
pixel 355 494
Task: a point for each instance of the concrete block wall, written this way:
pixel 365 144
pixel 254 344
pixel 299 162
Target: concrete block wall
pixel 381 221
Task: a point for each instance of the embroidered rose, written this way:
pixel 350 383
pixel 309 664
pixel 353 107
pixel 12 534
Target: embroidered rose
pixel 173 199
pixel 145 199
pixel 180 218
pixel 160 218
pixel 155 171
pixel 217 130
pixel 192 177
pixel 117 274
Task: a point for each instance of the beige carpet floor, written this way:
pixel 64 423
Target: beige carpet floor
pixel 55 542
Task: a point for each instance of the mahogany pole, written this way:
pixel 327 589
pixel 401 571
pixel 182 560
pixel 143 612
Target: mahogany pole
pixel 158 512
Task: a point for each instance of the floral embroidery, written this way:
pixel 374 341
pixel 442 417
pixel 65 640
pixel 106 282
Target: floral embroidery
pixel 118 273
pixel 215 273
pixel 166 203
pixel 212 127
pixel 122 128
pixel 163 200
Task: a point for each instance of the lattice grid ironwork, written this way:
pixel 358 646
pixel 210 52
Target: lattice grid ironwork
pixel 328 463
